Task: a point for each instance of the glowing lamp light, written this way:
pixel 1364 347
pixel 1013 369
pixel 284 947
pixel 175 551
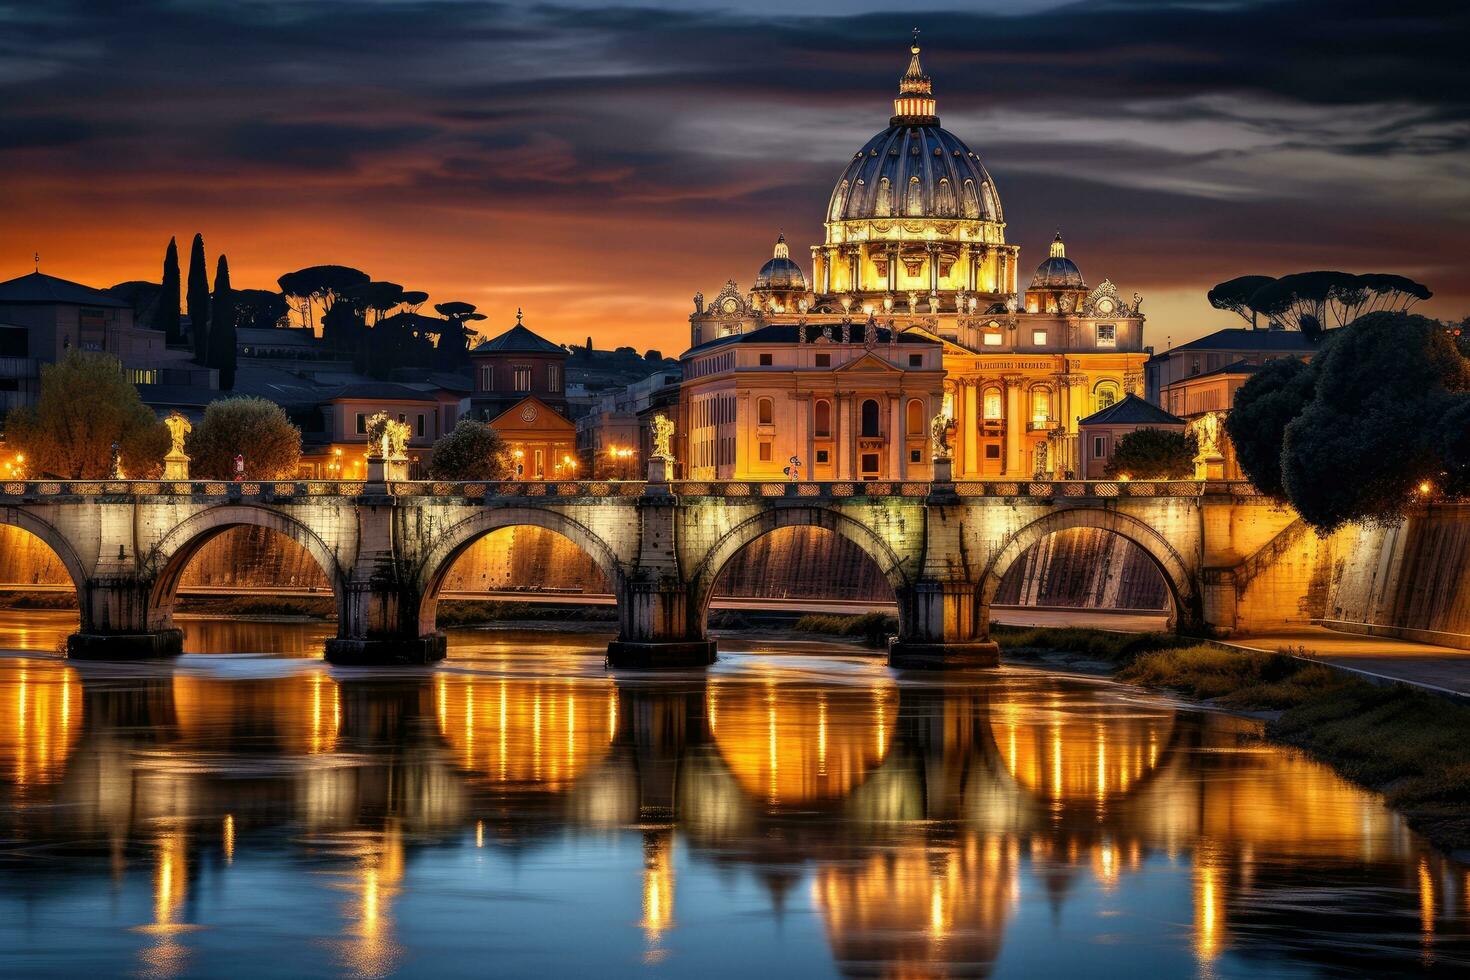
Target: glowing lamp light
pixel 1426 488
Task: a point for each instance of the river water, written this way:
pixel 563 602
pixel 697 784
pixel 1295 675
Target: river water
pixel 798 810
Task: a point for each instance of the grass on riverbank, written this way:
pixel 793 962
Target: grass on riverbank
pixel 1409 745
pixel 873 628
pixel 38 600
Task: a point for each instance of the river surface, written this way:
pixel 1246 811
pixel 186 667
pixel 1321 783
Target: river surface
pixel 798 810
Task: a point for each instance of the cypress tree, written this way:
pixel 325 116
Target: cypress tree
pixel 166 318
pixel 197 300
pixel 222 326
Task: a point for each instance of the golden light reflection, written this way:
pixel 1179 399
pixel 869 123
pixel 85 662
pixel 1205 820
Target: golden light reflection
pixel 925 910
pixel 790 745
pixel 1209 903
pixel 1426 910
pixel 543 732
pixel 1068 757
pixel 302 711
pixel 40 721
pixel 168 955
pixel 658 892
pixel 229 838
pixel 368 947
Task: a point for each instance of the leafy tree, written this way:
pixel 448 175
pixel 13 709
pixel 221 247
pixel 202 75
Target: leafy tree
pixel 1376 428
pixel 167 316
pixel 260 309
pixel 198 300
pixel 470 451
pixel 321 285
pixel 1154 454
pixel 143 297
pixel 1234 295
pixel 251 427
pixel 222 352
pixel 86 405
pixel 413 299
pixel 1315 301
pixel 1264 406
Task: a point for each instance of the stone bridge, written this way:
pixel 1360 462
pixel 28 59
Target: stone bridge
pixel 386 548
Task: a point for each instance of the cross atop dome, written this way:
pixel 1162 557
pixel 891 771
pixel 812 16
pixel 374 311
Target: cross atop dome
pixel 915 100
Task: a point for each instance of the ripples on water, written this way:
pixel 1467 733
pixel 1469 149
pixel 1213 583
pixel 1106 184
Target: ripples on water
pixel 799 810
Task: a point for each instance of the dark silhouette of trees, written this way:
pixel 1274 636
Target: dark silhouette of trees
pixel 1234 295
pixel 1391 402
pixel 260 309
pixel 250 427
pixel 1153 454
pixel 470 451
pixel 324 286
pixel 198 300
pixel 1264 406
pixel 221 335
pixel 452 354
pixel 142 296
pixel 167 316
pixel 85 407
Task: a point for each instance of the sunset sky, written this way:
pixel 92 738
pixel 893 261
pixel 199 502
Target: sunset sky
pixel 597 164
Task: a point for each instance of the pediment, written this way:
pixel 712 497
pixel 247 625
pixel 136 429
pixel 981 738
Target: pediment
pixel 870 364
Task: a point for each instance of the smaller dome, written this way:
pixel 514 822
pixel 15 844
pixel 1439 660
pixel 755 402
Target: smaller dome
pixel 781 272
pixel 1058 271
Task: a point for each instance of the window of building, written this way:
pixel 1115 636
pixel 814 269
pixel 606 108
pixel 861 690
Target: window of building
pixel 1038 337
pixel 540 464
pixel 765 360
pixel 521 380
pixel 914 423
pixel 1106 395
pixel 993 339
pixel 916 360
pixel 1099 447
pixel 870 464
pixel 822 455
pixel 553 377
pixel 1107 335
pixel 487 378
pixel 823 420
pixel 1041 404
pixel 15 342
pixel 992 403
pixel 765 411
pixel 916 197
pixel 421 425
pixel 361 423
pixel 870 418
pixel 992 450
pixel 916 455
pixel 824 360
pixel 765 452
pixel 1194 365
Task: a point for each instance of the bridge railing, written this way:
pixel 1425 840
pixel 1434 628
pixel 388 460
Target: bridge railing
pixel 279 490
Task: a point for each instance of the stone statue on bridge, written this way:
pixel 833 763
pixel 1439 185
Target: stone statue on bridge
pixel 939 429
pixel 387 448
pixel 663 438
pixel 176 463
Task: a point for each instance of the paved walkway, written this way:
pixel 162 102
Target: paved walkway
pixel 1444 669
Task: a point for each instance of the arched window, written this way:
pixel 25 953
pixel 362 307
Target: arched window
pixel 764 411
pixel 915 421
pixel 838 200
pixel 915 206
pixel 823 421
pixel 944 199
pixel 992 400
pixel 884 206
pixel 1041 404
pixel 987 196
pixel 972 204
pixel 1105 395
pixel 870 418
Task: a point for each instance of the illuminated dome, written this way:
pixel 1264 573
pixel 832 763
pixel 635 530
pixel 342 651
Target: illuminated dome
pixel 781 273
pixel 1058 271
pixel 915 168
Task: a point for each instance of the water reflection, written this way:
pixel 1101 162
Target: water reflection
pixel 834 819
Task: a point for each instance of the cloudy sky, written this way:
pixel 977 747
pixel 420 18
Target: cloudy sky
pixel 598 163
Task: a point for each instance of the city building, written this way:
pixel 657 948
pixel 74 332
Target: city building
pixel 915 309
pixel 1101 431
pixel 1217 350
pixel 1203 401
pixel 513 366
pixel 615 438
pixel 338 449
pixel 542 441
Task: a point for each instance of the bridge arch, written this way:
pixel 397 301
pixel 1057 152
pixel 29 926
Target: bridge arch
pixel 52 538
pixel 454 541
pixel 1176 573
pixel 171 555
pixel 764 522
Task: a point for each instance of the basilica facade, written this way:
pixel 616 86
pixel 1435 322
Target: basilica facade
pixel 916 309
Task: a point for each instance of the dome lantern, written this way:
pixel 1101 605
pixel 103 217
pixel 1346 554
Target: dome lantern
pixel 915 102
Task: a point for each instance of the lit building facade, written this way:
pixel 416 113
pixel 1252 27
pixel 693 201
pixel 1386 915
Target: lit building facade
pixel 915 274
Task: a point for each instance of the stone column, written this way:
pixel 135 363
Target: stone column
pixel 116 621
pixel 1015 428
pixel 897 437
pixel 892 268
pixel 971 430
pixel 839 434
pixel 660 621
pixel 941 626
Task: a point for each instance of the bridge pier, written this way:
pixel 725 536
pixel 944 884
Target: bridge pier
pixel 942 626
pixel 379 626
pixel 115 623
pixel 656 630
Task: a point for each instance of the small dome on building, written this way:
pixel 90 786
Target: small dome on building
pixel 781 273
pixel 1058 271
